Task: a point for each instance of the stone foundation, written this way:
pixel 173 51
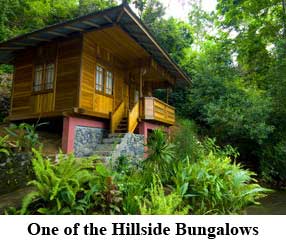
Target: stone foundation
pixel 131 146
pixel 86 140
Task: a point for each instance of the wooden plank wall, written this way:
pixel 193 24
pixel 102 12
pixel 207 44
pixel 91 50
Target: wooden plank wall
pixel 43 103
pixel 89 99
pixel 22 85
pixel 26 104
pixel 88 74
pixel 68 74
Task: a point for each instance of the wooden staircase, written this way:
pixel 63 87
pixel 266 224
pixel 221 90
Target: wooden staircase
pixel 122 126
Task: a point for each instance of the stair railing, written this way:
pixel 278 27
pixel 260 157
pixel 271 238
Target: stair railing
pixel 116 116
pixel 133 117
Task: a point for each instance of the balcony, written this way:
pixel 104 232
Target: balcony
pixel 154 109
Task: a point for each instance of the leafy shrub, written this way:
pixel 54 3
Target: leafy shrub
pixel 273 163
pixel 23 137
pixel 184 136
pixel 103 195
pixel 215 185
pixel 72 186
pixel 57 185
pixel 161 154
pixel 5 93
pixel 157 203
pixel 3 145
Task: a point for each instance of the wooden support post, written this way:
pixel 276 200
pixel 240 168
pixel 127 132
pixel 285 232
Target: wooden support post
pixel 141 82
pixel 167 95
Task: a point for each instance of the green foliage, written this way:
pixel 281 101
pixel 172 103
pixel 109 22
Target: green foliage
pixel 89 6
pixel 184 136
pixel 23 137
pixel 157 203
pixel 22 16
pixel 57 186
pixel 175 36
pixel 104 192
pixel 4 149
pixel 161 154
pixel 133 188
pixel 149 10
pixel 215 185
pixel 273 164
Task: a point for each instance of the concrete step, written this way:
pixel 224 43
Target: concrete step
pixel 116 135
pixel 112 140
pixel 103 153
pixel 105 147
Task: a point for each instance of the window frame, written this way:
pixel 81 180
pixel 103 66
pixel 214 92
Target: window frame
pixel 49 85
pixel 40 83
pixel 102 79
pixel 104 89
pixel 43 86
pixel 106 82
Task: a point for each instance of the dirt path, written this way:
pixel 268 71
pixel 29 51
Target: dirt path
pixel 274 204
pixel 13 199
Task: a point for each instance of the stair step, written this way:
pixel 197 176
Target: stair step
pixel 103 153
pixel 113 140
pixel 120 131
pixel 124 127
pixel 116 135
pixel 105 147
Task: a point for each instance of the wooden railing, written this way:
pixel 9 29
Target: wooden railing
pixel 116 116
pixel 133 118
pixel 155 109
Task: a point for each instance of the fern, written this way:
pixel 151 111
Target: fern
pixel 28 199
pixel 57 185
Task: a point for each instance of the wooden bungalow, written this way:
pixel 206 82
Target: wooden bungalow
pixel 97 70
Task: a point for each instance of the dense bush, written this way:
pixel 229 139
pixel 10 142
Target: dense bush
pixel 215 185
pixel 5 93
pixel 156 202
pixel 184 136
pixel 273 164
pixel 15 156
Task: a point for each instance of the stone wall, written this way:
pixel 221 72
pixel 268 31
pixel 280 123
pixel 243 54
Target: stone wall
pixel 15 171
pixel 131 146
pixel 86 139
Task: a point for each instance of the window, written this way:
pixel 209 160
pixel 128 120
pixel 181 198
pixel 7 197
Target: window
pixel 104 80
pixel 99 78
pixel 50 72
pixel 44 77
pixel 38 78
pixel 108 85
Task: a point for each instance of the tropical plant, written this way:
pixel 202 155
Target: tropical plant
pixel 103 194
pixel 23 137
pixel 157 203
pixel 216 185
pixel 3 145
pixel 57 186
pixel 161 154
pixel 184 136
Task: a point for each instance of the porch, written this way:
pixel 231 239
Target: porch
pixel 147 108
